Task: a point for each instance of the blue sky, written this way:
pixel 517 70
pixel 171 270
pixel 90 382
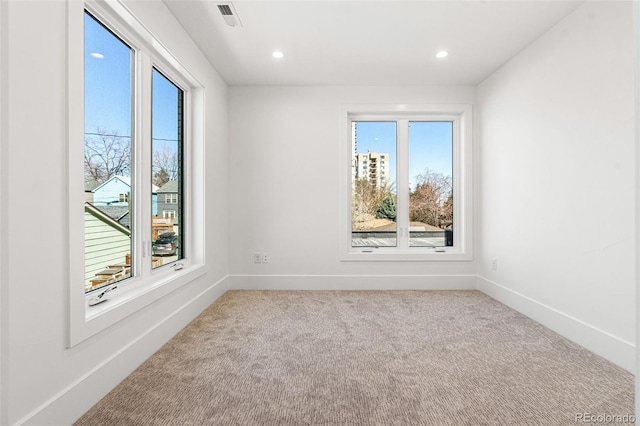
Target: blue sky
pixel 165 111
pixel 107 81
pixel 108 87
pixel 430 145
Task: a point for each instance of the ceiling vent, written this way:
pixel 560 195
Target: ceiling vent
pixel 229 14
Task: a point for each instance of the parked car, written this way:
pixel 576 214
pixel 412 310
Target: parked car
pixel 165 244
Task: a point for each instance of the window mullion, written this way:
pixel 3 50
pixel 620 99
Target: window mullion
pixel 143 201
pixel 402 186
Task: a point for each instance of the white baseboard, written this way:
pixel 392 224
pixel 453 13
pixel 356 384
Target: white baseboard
pixel 353 282
pixel 77 398
pixel 608 346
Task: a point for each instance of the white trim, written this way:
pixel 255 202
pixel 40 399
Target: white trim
pixel 75 120
pixel 353 282
pixel 462 114
pixel 148 285
pixel 77 398
pixel 600 342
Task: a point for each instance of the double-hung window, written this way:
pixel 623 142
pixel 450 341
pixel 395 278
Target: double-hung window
pixel 406 186
pixel 137 103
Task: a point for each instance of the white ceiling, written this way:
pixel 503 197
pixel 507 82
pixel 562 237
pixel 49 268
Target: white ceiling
pixel 389 42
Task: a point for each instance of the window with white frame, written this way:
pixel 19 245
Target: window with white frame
pixel 169 214
pixel 167 152
pixel 133 105
pixel 407 188
pixel 110 97
pixel 171 198
pixel 108 106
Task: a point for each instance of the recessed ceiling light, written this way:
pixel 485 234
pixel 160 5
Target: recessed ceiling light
pixel 278 54
pixel 442 54
pixel 97 55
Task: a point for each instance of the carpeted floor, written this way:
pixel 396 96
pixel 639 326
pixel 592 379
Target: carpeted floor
pixel 365 358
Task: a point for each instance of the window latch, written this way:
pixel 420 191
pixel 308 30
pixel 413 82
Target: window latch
pixel 101 296
pixel 178 266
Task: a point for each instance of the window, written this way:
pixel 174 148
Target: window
pixel 167 155
pixel 110 254
pixel 133 104
pixel 107 151
pixel 407 188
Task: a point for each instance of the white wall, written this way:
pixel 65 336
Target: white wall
pixel 556 193
pixel 3 215
pixel 284 177
pixel 42 381
pixel 636 25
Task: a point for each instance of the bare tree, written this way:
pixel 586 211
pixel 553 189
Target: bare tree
pixel 432 200
pixel 164 166
pixel 106 154
pixel 366 199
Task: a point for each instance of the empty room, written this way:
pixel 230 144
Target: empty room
pixel 318 212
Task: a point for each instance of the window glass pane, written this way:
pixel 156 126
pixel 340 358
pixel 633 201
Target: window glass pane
pixel 107 156
pixel 166 156
pixel 431 184
pixel 373 184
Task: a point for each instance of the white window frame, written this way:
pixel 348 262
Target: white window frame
pixel 147 285
pixel 171 198
pixel 168 214
pixel 462 117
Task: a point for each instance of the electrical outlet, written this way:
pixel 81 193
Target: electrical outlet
pixel 494 264
pixel 257 257
pixel 265 257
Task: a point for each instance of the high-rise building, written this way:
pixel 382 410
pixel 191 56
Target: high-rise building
pixel 372 166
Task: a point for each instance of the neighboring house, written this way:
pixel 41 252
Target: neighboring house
pixel 118 213
pixel 168 206
pixel 106 242
pixel 89 186
pixel 116 192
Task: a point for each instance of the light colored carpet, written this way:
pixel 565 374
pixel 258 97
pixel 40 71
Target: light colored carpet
pixel 365 358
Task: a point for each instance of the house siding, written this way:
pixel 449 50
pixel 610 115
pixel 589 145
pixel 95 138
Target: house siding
pixel 103 246
pixel 109 193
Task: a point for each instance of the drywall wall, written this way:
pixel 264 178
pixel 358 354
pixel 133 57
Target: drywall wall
pixel 556 189
pixel 636 28
pixel 3 190
pixel 284 147
pixel 43 382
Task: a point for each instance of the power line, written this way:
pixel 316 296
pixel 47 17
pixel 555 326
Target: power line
pixel 129 137
pixel 166 140
pixel 106 134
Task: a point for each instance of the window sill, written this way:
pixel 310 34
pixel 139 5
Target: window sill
pixel 133 295
pixel 409 255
